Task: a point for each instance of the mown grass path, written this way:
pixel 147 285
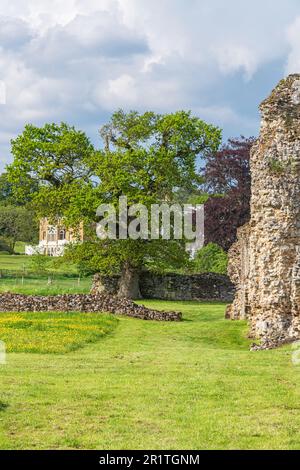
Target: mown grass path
pixel 189 385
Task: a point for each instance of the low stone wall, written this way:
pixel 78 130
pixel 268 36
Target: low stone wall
pixel 203 287
pixel 208 286
pixel 82 303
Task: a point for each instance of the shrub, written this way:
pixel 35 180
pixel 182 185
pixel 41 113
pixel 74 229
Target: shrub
pixel 4 247
pixel 41 264
pixel 211 259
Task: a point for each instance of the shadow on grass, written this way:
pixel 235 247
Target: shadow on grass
pixel 3 406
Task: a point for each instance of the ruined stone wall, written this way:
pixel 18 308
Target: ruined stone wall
pixel 270 291
pixel 82 303
pixel 201 287
pixel 238 271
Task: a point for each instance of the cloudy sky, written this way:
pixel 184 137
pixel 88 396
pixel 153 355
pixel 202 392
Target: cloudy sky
pixel 79 60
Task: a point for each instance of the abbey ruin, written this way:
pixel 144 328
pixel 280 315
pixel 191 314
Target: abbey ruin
pixel 265 261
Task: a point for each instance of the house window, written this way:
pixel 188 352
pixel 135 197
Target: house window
pixel 51 233
pixel 62 234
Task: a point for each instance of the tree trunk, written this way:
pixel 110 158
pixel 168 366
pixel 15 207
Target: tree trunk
pixel 129 287
pixel 105 285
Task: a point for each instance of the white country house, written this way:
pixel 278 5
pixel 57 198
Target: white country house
pixel 53 239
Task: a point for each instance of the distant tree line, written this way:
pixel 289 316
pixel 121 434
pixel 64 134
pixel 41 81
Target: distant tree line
pixel 17 221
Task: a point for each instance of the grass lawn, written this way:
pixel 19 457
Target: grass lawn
pixel 16 276
pixel 52 332
pixel 150 385
pixel 14 262
pixel 23 263
pixel 38 285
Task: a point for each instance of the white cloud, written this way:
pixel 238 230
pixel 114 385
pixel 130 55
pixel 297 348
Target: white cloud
pixel 122 89
pixel 14 32
pixel 232 58
pixel 293 35
pixel 79 60
pixel 2 93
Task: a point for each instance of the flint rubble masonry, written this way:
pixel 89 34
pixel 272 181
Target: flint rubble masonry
pixel 172 286
pixel 99 303
pixel 264 263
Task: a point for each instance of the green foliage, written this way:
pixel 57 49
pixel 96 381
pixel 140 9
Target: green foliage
pixel 280 167
pixel 109 256
pixel 211 259
pixel 8 195
pixel 40 264
pixel 4 247
pixel 150 158
pixel 276 166
pixel 48 162
pixel 17 224
pixel 6 192
pixel 20 247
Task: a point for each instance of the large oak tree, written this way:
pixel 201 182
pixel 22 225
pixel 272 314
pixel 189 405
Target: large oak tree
pixel 150 158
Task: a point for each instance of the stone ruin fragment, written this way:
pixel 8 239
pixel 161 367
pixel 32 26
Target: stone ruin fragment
pixel 264 263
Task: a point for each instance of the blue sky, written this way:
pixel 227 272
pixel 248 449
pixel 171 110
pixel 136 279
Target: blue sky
pixel 79 60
